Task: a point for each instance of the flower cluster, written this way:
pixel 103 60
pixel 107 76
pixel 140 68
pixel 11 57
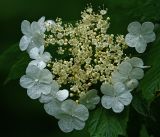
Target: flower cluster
pixel 124 80
pixel 83 65
pixel 94 53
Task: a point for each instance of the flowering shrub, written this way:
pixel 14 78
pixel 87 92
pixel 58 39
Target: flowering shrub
pixel 76 67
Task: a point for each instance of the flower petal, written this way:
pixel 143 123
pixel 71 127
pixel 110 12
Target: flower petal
pixel 117 77
pixel 66 125
pixel 26 82
pixel 119 88
pixel 44 88
pixel 46 57
pixel 149 37
pixel 53 108
pixel 35 27
pixel 34 92
pixel 107 101
pixel 140 45
pixel 41 23
pixel 38 63
pixel 81 112
pixel 125 68
pixel 131 40
pixel 26 28
pixel 125 98
pixel 41 20
pixel 61 95
pixel 46 76
pixel 137 73
pixel 78 124
pixel 37 40
pixel 94 98
pixel 33 71
pixel 107 89
pixel 132 84
pixel 134 27
pixel 147 27
pixel 117 106
pixel 49 97
pixel 41 49
pixel 34 53
pixel 55 87
pixel 24 42
pixel 45 98
pixel 68 106
pixel 90 99
pixel 136 62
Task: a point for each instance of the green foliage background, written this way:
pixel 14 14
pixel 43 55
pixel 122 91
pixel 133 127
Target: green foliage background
pixel 23 117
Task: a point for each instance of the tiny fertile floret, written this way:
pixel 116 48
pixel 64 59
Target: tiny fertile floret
pixel 94 53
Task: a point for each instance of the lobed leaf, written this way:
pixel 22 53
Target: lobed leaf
pixel 9 57
pixel 151 81
pixel 103 123
pixel 18 69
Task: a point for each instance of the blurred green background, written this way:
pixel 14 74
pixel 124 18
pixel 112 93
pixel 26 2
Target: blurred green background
pixel 21 116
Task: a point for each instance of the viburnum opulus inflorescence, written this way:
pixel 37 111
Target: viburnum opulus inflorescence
pixel 77 66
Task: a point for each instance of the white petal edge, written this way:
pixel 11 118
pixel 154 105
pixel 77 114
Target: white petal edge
pixel 26 28
pixel 65 125
pixel 24 42
pixel 107 101
pixel 61 95
pixel 117 106
pixel 26 82
pixel 134 27
pixel 147 27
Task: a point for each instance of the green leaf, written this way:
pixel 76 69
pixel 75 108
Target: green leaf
pixel 151 81
pixel 143 10
pixel 140 105
pixel 9 57
pixel 18 69
pixel 13 62
pixel 103 123
pixel 143 132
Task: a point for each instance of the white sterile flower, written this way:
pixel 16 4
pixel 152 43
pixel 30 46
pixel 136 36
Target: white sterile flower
pixel 54 89
pixel 90 99
pixel 126 73
pixel 137 62
pixel 40 57
pixel 70 114
pixel 61 95
pixel 115 97
pixel 139 35
pixel 33 34
pixel 36 81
